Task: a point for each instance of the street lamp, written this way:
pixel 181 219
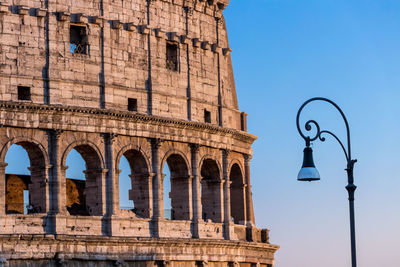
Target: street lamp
pixel 308 172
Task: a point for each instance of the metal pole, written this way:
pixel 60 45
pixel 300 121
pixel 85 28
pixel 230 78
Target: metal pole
pixel 350 189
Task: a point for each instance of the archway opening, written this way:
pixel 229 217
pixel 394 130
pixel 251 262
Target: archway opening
pixel 135 188
pixel 167 192
pixel 26 186
pixel 237 192
pixel 84 182
pixel 75 184
pixel 176 188
pixel 125 186
pixel 211 191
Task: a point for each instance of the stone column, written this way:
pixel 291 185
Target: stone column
pixel 249 198
pixel 57 183
pixel 102 186
pixel 3 183
pixel 111 189
pixel 158 203
pixel 113 226
pixel 57 175
pixel 95 190
pixel 60 189
pixel 142 194
pixel 181 197
pixel 196 195
pixel 116 208
pixel 212 194
pixel 39 188
pixel 228 227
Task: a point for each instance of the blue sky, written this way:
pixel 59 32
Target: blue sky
pixel 287 51
pixel 284 52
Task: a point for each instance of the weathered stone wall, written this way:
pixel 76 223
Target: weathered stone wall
pixel 148 80
pixel 125 58
pixel 201 179
pixel 105 251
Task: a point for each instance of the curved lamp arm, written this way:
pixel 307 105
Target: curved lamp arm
pixel 318 135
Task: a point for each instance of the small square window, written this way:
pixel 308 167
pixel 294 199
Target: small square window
pixel 207 116
pixel 24 93
pixel 132 104
pixel 172 56
pixel 78 39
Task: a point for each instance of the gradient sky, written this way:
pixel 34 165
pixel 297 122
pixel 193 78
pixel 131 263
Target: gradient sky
pixel 285 52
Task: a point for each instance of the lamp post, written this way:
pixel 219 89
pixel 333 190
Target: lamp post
pixel 308 172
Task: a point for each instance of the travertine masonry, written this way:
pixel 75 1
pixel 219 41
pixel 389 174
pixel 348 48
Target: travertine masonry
pixel 148 80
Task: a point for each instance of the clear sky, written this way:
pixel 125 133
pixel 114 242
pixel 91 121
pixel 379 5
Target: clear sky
pixel 284 52
pixel 287 51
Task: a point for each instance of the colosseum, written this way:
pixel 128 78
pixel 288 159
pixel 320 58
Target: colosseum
pixel 147 80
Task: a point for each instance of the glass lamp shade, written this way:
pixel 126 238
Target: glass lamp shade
pixel 308 172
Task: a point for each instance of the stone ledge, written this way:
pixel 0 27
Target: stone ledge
pixel 132 117
pixel 132 249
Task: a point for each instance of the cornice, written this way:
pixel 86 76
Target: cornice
pixel 134 117
pixel 142 241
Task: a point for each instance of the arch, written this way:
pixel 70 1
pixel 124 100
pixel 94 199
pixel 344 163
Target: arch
pixel 241 167
pixel 216 171
pixel 88 150
pixel 210 169
pixel 92 202
pixel 181 185
pixel 137 149
pixel 211 190
pixel 35 183
pixel 140 192
pixel 34 148
pixel 237 193
pixel 181 166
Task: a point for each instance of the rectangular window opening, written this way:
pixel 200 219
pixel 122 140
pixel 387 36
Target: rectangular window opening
pixel 172 56
pixel 207 116
pixel 24 93
pixel 78 39
pixel 132 104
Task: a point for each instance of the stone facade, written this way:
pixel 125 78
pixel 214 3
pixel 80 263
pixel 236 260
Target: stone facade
pixel 148 80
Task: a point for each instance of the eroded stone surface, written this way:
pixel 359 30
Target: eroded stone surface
pixel 150 80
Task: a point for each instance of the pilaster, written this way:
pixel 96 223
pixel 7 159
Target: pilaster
pixel 196 194
pixel 158 204
pixel 228 226
pixel 3 182
pixel 249 198
pixel 110 190
pixel 40 196
pixel 57 185
pixel 251 229
pixel 142 194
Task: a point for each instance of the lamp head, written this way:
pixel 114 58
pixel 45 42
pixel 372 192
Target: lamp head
pixel 308 172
